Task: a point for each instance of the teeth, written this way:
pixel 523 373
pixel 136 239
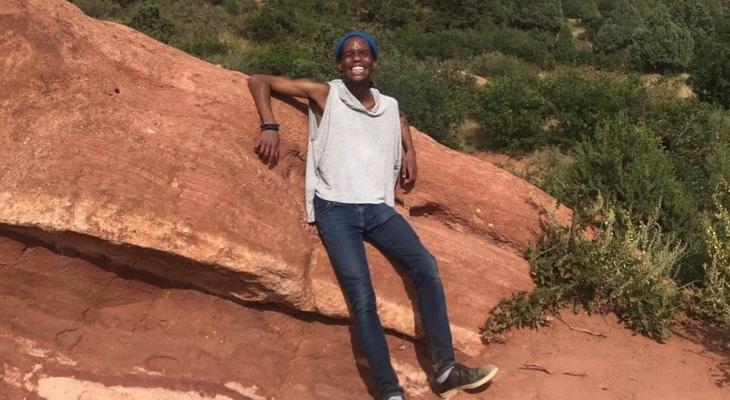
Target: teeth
pixel 358 69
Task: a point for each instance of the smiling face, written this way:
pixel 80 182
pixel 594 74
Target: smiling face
pixel 356 62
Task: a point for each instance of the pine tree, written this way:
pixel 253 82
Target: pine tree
pixel 661 45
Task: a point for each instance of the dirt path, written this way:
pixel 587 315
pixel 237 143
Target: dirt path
pixel 77 329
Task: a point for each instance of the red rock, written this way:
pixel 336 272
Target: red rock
pixel 117 145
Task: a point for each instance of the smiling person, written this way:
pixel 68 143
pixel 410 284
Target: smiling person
pixel 357 139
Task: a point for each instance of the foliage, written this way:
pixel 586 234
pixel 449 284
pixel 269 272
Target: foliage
pixel 496 64
pixel 694 15
pixel 712 301
pixel 435 99
pixel 618 28
pixel 512 113
pixel 584 10
pixel 626 271
pixel 541 14
pixel 582 98
pixel 450 14
pixel 711 72
pixel 627 163
pixel 661 45
pixel 100 8
pixel 148 19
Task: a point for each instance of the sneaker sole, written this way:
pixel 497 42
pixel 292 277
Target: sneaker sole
pixel 449 393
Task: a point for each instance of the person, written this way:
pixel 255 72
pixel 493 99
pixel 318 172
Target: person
pixel 357 139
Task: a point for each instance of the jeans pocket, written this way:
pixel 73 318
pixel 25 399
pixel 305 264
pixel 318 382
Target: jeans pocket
pixel 322 206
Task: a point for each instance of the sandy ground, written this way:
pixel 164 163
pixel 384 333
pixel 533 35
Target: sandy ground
pixel 72 328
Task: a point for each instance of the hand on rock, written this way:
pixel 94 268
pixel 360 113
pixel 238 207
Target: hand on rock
pixel 267 147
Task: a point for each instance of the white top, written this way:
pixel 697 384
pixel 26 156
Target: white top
pixel 354 153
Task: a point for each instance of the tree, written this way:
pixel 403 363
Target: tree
pixel 147 19
pixel 457 14
pixel 511 115
pixel 619 26
pixel 584 10
pixel 565 50
pixel 693 15
pixel 661 45
pixel 710 72
pixel 541 14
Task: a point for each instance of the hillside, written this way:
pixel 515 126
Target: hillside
pixel 147 252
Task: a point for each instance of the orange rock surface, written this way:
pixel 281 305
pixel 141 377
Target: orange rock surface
pixel 116 145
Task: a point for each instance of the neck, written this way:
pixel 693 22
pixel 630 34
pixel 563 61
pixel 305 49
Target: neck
pixel 361 90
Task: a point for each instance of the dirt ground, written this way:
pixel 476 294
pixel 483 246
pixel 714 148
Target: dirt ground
pixel 73 328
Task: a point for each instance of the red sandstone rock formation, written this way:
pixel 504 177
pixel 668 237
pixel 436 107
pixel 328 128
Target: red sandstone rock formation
pixel 117 145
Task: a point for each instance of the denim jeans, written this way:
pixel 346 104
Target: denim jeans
pixel 343 228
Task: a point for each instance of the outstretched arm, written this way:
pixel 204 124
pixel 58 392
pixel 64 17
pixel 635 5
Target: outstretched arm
pixel 408 169
pixel 261 87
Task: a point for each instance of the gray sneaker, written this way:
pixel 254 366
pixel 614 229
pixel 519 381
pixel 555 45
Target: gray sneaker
pixel 462 377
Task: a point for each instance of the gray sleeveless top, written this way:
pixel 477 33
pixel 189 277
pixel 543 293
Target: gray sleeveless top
pixel 354 153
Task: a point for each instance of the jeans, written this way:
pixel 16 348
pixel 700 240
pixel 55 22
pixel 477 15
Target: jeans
pixel 343 228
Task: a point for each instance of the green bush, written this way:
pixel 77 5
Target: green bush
pixel 584 10
pixel 511 114
pixel 545 15
pixel 626 270
pixel 104 9
pixel 710 72
pixel 582 98
pixel 435 99
pixel 496 64
pixel 712 300
pixel 288 59
pixel 618 28
pixel 533 46
pixel 661 45
pixel 148 19
pixel 693 15
pixel 450 14
pixel 626 163
pixel 442 45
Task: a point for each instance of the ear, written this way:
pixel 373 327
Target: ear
pixel 375 64
pixel 339 66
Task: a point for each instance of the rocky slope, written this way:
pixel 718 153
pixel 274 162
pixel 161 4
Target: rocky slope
pixel 114 144
pixel 74 328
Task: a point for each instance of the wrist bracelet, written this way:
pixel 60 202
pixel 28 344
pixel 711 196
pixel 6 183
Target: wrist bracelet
pixel 269 126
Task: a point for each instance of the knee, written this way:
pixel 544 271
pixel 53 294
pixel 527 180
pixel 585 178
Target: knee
pixel 363 302
pixel 427 273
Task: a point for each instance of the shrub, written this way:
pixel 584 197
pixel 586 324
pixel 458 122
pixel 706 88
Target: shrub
pixel 288 59
pixel 511 115
pixel 545 15
pixel 626 271
pixel 105 9
pixel 710 72
pixel 533 46
pixel 584 10
pixel 496 64
pixel 712 301
pixel 148 19
pixel 442 45
pixel 661 45
pixel 693 15
pixel 618 28
pixel 624 162
pixel 436 99
pixel 582 98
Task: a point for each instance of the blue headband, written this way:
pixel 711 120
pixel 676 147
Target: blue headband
pixel 362 35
